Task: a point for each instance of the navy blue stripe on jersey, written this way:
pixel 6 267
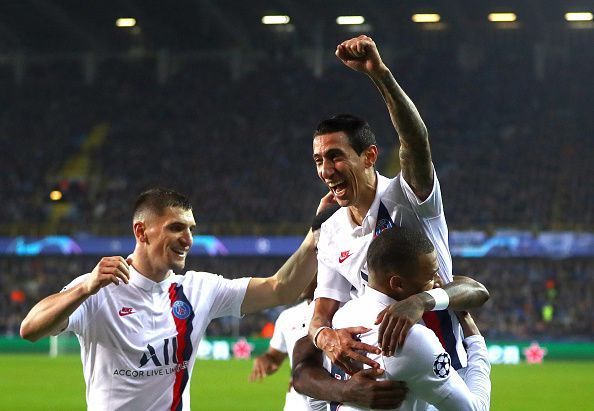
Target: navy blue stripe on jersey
pixel 440 323
pixel 339 374
pixel 384 220
pixel 183 315
pixel 364 276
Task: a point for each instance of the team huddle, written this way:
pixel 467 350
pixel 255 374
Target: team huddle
pixel 386 327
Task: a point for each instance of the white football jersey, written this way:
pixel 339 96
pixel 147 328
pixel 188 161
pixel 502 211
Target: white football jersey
pixel 290 326
pixel 139 341
pixel 343 245
pixel 422 362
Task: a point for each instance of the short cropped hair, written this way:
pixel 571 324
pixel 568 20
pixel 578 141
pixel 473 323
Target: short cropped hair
pixel 158 199
pixel 397 249
pixel 356 129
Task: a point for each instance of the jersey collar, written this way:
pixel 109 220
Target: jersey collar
pixel 377 296
pixel 368 224
pixel 139 280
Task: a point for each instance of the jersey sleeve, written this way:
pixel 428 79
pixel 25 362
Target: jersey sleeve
pixel 432 206
pixel 77 319
pixel 331 284
pixel 278 340
pixel 228 296
pixel 426 368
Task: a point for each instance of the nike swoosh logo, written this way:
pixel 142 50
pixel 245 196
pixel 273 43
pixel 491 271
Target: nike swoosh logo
pixel 341 258
pixel 123 312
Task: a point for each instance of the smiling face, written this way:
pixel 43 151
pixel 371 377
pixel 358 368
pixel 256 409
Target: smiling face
pixel 349 176
pixel 165 239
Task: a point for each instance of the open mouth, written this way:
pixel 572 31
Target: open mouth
pixel 180 252
pixel 338 188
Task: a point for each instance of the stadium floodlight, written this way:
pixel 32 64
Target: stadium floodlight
pixel 579 16
pixel 426 18
pixel 126 22
pixel 55 195
pixel 350 20
pixel 502 17
pixel 276 19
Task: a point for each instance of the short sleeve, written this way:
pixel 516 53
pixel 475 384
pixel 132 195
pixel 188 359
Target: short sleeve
pixel 432 206
pixel 278 340
pixel 331 284
pixel 228 296
pixel 76 320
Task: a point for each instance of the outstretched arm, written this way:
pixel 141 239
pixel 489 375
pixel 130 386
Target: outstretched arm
pixel 361 54
pixel 50 315
pixel 396 320
pixel 291 279
pixel 310 378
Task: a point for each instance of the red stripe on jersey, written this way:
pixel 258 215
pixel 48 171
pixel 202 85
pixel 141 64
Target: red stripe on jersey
pixel 183 340
pixel 432 322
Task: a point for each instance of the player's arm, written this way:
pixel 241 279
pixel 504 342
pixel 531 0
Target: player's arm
pixel 463 294
pixel 361 54
pixel 296 273
pixel 266 364
pixel 339 345
pixel 310 378
pixel 50 315
pixel 473 393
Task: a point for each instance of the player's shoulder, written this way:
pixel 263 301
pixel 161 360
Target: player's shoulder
pixel 198 278
pixel 422 344
pixel 336 221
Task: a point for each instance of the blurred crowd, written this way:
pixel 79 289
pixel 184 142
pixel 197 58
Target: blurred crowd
pixel 510 134
pixel 530 298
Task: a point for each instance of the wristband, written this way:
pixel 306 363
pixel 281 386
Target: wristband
pixel 441 298
pixel 318 331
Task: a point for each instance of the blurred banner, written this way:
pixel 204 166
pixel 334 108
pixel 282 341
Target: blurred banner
pixel 221 348
pixel 467 244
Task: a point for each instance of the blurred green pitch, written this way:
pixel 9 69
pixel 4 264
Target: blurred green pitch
pixel 37 382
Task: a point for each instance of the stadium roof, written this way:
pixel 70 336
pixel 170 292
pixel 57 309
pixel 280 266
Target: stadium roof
pixel 72 25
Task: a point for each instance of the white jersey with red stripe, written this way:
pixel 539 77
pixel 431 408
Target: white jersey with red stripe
pixel 422 363
pixel 139 341
pixel 343 245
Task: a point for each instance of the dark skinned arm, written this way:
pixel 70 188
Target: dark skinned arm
pixel 310 378
pixel 397 319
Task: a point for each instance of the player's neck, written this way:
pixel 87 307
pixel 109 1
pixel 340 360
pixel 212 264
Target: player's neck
pixel 144 267
pixel 359 210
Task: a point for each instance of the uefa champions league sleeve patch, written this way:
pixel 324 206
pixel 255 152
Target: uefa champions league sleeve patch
pixel 442 364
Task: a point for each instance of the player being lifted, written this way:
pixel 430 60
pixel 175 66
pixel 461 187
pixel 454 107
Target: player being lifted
pixel 345 153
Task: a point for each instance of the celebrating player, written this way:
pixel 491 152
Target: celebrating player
pixel 139 324
pixel 345 153
pixel 401 262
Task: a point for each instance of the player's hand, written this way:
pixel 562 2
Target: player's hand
pixel 396 320
pixel 344 350
pixel 110 270
pixel 468 325
pixel 360 54
pixel 263 366
pixel 365 391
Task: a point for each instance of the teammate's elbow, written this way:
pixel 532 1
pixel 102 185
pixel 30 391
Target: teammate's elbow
pixel 482 293
pixel 27 332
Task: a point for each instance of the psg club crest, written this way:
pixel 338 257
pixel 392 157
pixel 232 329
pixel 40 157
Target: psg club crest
pixel 441 366
pixel 382 225
pixel 181 310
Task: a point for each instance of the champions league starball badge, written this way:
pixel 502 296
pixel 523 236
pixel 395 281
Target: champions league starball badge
pixel 181 310
pixel 441 366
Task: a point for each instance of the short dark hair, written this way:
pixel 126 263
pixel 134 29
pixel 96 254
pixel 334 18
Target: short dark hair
pixel 396 250
pixel 356 129
pixel 158 199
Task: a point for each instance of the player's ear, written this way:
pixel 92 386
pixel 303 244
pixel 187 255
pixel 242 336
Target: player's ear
pixel 139 229
pixel 396 283
pixel 370 154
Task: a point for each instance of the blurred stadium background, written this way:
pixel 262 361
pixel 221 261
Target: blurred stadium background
pixel 204 97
